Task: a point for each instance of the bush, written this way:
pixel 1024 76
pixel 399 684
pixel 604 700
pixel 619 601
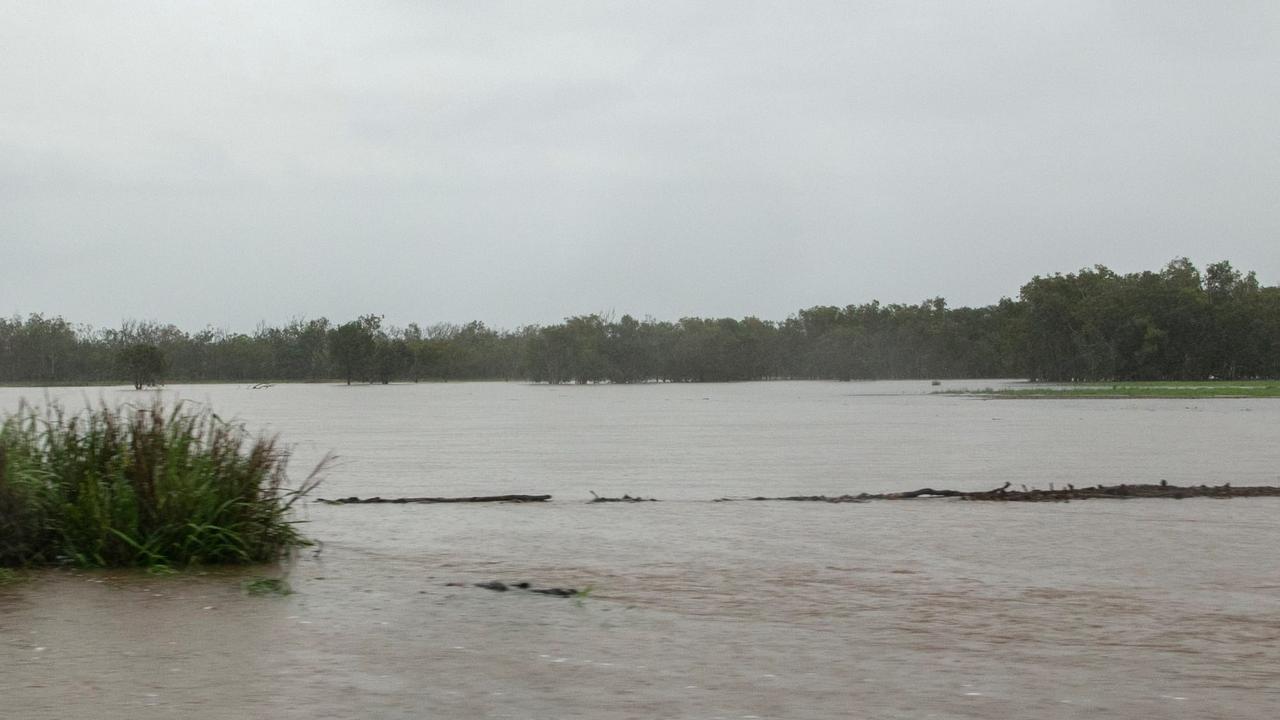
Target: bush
pixel 142 486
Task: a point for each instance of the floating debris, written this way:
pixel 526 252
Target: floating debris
pixel 499 586
pixel 803 498
pixel 624 499
pixel 1000 494
pixel 1031 494
pixel 433 500
pixel 1123 492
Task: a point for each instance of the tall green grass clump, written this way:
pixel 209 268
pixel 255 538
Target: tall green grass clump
pixel 142 486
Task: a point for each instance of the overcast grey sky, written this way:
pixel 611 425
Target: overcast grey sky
pixel 226 163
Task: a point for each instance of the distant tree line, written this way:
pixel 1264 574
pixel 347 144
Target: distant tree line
pixel 1094 324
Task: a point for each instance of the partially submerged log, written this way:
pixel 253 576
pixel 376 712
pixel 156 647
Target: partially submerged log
pixel 1000 494
pixel 499 586
pixel 433 500
pixel 1124 492
pixel 804 498
pixel 925 492
pixel 624 499
pixel 1070 492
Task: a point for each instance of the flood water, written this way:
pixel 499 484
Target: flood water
pixel 698 609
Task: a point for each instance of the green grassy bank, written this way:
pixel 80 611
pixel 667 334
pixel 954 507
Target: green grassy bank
pixel 142 486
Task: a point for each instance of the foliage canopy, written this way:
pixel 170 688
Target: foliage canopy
pixel 1094 324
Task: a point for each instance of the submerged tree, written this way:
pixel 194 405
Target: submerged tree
pixel 352 346
pixel 392 359
pixel 144 364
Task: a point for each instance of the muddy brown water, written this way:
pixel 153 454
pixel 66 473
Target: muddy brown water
pixel 918 609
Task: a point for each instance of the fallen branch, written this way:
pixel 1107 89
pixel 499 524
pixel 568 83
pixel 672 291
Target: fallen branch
pixel 925 492
pixel 1124 492
pixel 499 586
pixel 1070 492
pixel 804 498
pixel 625 498
pixel 1000 494
pixel 433 500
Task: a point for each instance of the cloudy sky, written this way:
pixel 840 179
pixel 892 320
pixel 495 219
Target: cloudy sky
pixel 227 163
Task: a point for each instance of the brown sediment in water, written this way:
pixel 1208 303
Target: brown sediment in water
pixel 771 609
pixel 388 622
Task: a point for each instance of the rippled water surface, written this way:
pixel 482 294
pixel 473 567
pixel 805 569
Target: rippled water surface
pixel 697 609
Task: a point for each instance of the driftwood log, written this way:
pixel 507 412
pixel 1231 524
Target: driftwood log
pixel 1125 491
pixel 499 586
pixel 1070 492
pixel 1000 494
pixel 434 500
pixel 624 499
pixel 806 498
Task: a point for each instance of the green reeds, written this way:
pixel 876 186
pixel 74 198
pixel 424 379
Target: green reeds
pixel 142 486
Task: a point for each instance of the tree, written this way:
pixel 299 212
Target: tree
pixel 391 359
pixel 144 364
pixel 352 346
pixel 627 353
